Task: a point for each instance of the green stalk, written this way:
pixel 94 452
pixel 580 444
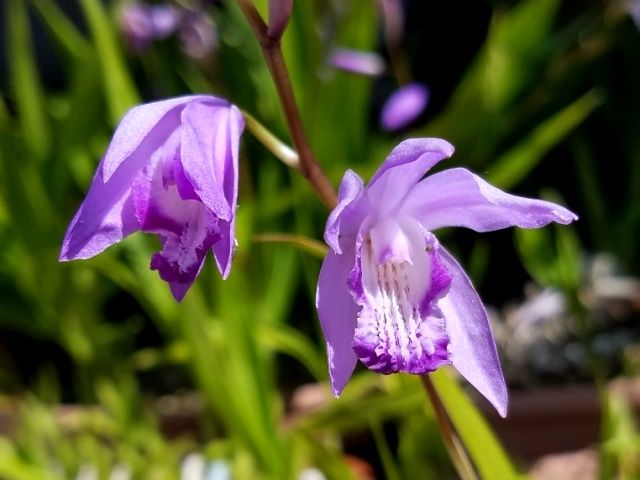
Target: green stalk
pixel 452 442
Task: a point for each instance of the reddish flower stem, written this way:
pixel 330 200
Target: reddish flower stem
pixel 450 438
pixel 309 166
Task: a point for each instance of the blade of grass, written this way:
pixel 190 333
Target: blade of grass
pixel 391 470
pixel 25 81
pixel 306 244
pixel 484 448
pixel 62 29
pixel 291 342
pixel 119 88
pixel 514 165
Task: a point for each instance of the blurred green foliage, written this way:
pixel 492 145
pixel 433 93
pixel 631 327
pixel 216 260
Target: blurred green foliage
pixel 105 333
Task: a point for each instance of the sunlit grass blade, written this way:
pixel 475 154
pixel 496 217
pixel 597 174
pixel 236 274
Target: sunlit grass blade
pixel 362 401
pixel 337 109
pixel 389 465
pixel 515 164
pixel 25 80
pixel 479 113
pixel 306 244
pixel 13 467
pixel 119 88
pixel 620 443
pixel 62 29
pixel 551 256
pixel 485 449
pixel 291 342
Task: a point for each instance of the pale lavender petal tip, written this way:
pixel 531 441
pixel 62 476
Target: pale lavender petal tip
pixel 457 197
pixel 279 13
pixel 357 61
pixel 473 349
pixel 351 188
pixel 404 106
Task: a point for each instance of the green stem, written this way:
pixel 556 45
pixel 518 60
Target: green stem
pixel 309 166
pixel 281 150
pixel 452 442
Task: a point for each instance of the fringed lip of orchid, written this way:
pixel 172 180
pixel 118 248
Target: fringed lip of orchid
pixel 171 169
pixel 389 294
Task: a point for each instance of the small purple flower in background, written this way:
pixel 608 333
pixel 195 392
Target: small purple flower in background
pixel 198 35
pixel 144 24
pixel 404 106
pixel 389 294
pixel 171 169
pixel 357 61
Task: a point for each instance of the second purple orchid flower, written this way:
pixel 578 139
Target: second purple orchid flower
pixel 171 169
pixel 389 294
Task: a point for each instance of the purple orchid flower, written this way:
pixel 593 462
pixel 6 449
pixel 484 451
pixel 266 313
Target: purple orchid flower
pixel 143 24
pixel 198 35
pixel 171 169
pixel 389 294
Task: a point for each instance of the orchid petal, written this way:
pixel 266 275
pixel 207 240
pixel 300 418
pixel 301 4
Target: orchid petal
pixel 472 347
pixel 457 197
pixel 403 168
pixel 337 313
pixel 105 217
pixel 142 130
pixel 203 154
pixel 349 195
pixel 223 249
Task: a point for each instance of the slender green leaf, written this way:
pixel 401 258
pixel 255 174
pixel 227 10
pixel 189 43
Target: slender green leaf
pixel 391 470
pixel 551 256
pixel 484 448
pixel 306 244
pixel 514 165
pixel 291 342
pixel 4 113
pixel 30 99
pixel 63 30
pixel 119 88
